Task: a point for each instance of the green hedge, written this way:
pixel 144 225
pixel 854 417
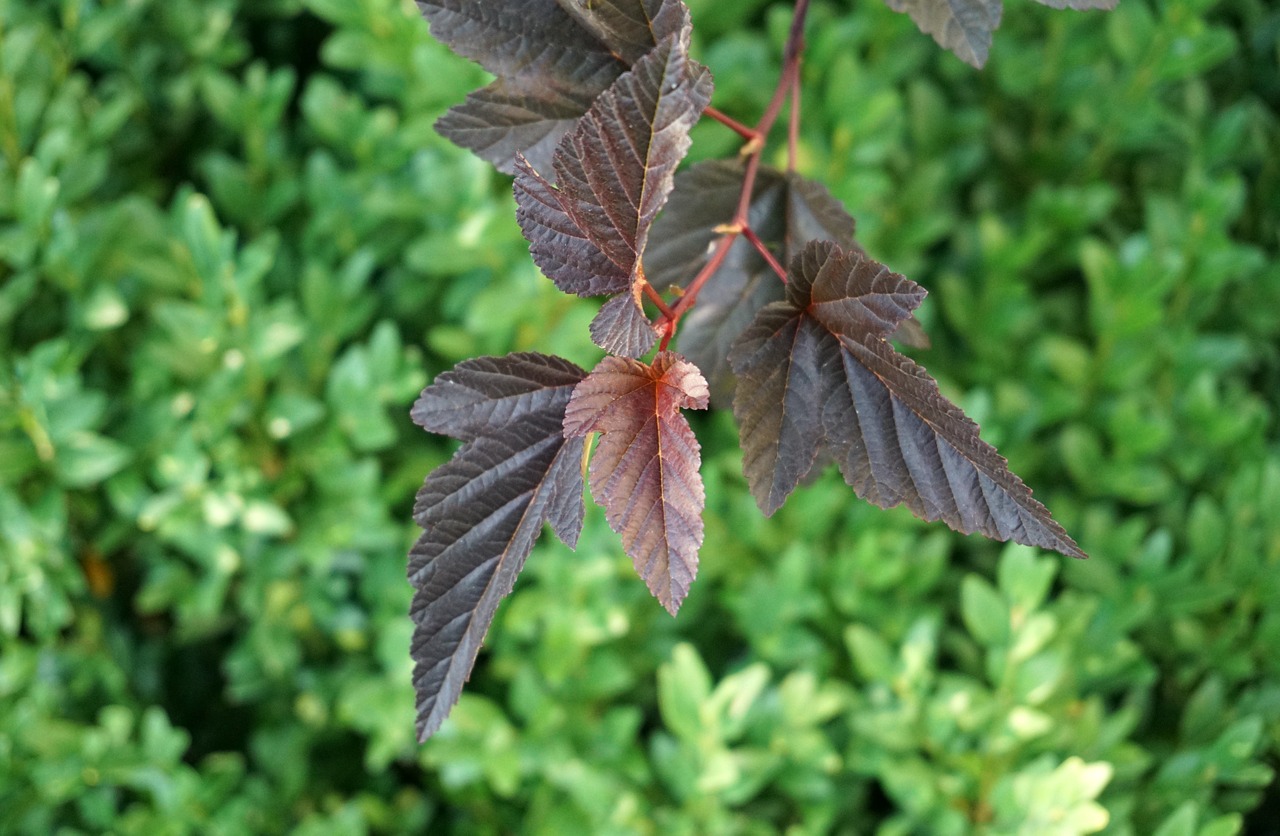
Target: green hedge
pixel 232 251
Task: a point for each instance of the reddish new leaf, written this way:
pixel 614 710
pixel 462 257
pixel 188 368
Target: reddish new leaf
pixel 817 378
pixel 552 59
pixel 482 511
pixel 613 173
pixel 645 469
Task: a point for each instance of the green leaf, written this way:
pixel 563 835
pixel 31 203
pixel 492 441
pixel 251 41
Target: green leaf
pixel 1181 823
pixel 684 686
pixel 872 655
pixel 1024 578
pixel 984 611
pixel 86 459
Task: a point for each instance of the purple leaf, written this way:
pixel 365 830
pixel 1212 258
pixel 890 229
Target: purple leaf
pixel 628 28
pixel 1079 5
pixel 786 211
pixel 963 26
pixel 482 510
pixel 817 378
pixel 613 173
pixel 622 328
pixel 552 59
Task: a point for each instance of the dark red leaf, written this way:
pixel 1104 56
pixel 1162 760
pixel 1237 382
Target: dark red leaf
pixel 552 59
pixel 852 295
pixel 966 26
pixel 485 394
pixel 645 469
pixel 817 378
pixel 482 511
pixel 613 173
pixel 779 362
pixel 497 123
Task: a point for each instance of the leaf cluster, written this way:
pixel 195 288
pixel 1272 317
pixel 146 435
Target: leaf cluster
pixel 592 110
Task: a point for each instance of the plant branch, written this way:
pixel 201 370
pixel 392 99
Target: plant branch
pixel 732 124
pixel 793 125
pixel 753 149
pixel 713 264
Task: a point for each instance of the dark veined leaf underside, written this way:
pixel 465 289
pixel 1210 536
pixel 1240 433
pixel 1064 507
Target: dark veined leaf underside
pixel 552 58
pixel 965 26
pixel 612 173
pixel 482 511
pixel 645 468
pixel 817 379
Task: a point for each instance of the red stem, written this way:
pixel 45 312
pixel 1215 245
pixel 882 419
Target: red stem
pixel 793 126
pixel 731 123
pixel 713 264
pixel 788 86
pixel 750 235
pixel 657 300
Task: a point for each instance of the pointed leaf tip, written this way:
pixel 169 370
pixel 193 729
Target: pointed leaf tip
pixel 483 509
pixel 851 294
pixel 621 327
pixel 964 27
pixel 817 378
pixel 786 211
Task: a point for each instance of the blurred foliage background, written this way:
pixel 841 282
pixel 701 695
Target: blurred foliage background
pixel 232 251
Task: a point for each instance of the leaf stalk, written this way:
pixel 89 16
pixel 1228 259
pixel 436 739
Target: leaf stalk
pixel 788 87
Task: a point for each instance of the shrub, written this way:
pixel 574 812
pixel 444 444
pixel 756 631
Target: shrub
pixel 233 250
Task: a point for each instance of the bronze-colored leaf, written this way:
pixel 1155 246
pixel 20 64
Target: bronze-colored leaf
pixel 645 468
